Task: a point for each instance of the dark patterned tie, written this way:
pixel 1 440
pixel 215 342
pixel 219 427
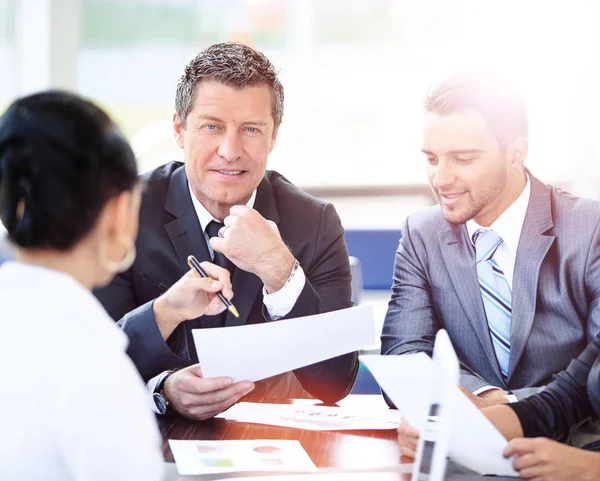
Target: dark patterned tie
pixel 212 229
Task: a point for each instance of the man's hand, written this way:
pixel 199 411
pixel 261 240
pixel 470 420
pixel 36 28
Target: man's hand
pixel 198 398
pixel 486 399
pixel 546 460
pixel 192 296
pixel 408 437
pixel 254 245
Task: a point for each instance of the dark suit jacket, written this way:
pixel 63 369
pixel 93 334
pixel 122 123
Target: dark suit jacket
pixel 556 291
pixel 170 231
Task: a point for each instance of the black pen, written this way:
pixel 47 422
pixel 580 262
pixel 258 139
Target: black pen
pixel 194 264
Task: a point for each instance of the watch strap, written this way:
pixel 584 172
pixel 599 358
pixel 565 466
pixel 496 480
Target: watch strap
pixel 160 383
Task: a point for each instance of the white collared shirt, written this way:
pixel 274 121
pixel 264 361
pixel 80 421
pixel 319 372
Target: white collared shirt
pixel 508 226
pixel 279 303
pixel 57 345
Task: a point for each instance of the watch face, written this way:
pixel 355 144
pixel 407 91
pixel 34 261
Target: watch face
pixel 160 403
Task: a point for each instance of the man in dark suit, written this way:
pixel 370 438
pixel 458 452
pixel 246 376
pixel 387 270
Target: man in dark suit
pixel 509 266
pixel 284 249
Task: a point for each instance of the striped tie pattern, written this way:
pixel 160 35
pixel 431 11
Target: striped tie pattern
pixel 496 294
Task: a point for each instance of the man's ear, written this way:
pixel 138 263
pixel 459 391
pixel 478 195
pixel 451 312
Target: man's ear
pixel 517 152
pixel 273 139
pixel 178 130
pixel 117 215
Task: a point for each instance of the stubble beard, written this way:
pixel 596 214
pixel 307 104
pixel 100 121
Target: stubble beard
pixel 475 207
pixel 460 216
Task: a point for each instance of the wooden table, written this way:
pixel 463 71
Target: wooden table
pixel 332 451
pixel 327 449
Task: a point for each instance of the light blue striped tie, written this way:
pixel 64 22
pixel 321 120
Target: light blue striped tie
pixel 496 294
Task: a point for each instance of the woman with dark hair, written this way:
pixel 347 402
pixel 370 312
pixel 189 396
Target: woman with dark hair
pixel 74 406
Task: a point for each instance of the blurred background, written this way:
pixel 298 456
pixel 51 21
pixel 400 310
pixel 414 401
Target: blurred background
pixel 355 73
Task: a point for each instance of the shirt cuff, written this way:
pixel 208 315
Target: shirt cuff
pixel 511 398
pixel 280 303
pixel 150 387
pixel 483 389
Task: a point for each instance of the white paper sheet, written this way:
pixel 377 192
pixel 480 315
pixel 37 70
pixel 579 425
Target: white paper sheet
pixel 209 457
pixel 474 441
pixel 259 351
pixel 313 418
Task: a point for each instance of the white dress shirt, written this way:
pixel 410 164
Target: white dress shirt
pixel 57 345
pixel 508 226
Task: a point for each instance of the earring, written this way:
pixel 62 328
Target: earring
pixel 125 263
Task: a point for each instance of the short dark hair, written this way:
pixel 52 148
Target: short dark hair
pixel 61 160
pixel 231 64
pixel 498 102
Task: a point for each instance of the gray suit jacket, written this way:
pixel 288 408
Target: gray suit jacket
pixel 556 291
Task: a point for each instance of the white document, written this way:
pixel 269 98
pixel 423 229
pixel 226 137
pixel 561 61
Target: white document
pixel 432 449
pixel 259 351
pixel 209 457
pixel 312 418
pixel 474 441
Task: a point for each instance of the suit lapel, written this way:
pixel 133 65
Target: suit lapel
pixel 185 231
pixel 247 286
pixel 532 249
pixel 459 258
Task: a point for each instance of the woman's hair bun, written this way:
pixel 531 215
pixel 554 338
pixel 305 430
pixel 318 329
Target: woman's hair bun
pixel 61 160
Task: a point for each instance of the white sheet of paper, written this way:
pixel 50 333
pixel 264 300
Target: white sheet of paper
pixel 474 441
pixel 406 380
pixel 259 351
pixel 312 418
pixel 209 457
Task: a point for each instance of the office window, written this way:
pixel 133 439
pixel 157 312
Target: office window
pixel 7 52
pixel 355 74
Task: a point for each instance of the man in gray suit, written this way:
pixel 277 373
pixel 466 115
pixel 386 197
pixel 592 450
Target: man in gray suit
pixel 507 265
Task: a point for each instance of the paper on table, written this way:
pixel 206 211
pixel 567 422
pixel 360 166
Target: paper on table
pixel 312 418
pixel 259 351
pixel 474 441
pixel 209 457
pixel 394 475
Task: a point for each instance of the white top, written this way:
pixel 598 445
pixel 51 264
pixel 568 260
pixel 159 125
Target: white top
pixel 279 303
pixel 508 226
pixel 57 345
